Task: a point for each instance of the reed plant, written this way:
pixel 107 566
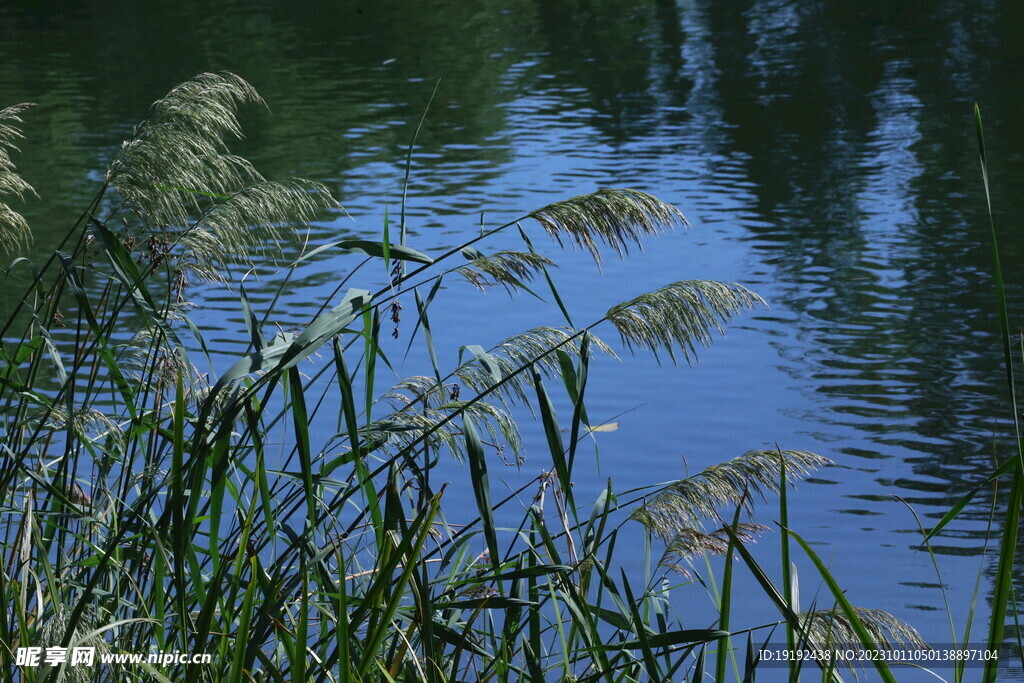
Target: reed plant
pixel 153 500
pixel 1005 509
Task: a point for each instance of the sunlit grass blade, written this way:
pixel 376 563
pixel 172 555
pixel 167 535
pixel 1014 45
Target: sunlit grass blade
pixel 396 252
pixel 554 439
pixel 954 511
pixel 252 324
pixel 725 603
pixel 402 226
pixel 281 356
pixel 300 422
pixel 787 577
pixel 239 661
pixel 422 320
pixel 938 572
pixel 481 487
pixel 640 629
pixel 576 386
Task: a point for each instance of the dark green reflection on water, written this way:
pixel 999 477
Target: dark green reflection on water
pixel 864 174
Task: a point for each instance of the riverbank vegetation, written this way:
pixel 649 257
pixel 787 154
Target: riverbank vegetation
pixel 152 499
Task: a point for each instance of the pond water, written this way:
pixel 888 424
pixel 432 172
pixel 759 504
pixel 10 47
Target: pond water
pixel 824 153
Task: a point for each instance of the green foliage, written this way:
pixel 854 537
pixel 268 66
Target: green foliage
pixel 149 507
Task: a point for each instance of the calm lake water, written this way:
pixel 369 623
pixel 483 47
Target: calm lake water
pixel 824 153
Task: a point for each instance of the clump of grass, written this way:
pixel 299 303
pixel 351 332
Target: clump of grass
pixel 153 501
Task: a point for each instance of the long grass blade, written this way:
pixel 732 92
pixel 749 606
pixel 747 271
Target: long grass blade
pixel 481 488
pixel 1011 522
